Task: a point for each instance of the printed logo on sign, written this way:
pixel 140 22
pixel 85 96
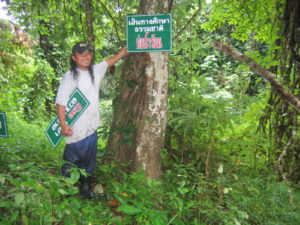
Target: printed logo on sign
pixel 71 104
pixel 75 107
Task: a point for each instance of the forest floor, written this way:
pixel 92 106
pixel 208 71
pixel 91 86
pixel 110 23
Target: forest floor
pixel 33 191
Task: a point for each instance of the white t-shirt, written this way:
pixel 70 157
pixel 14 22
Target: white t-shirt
pixel 89 121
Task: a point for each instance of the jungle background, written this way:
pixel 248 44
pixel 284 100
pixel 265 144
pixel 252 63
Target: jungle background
pixel 231 146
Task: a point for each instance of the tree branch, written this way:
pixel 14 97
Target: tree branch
pixel 170 5
pixel 186 25
pixel 114 21
pixel 286 94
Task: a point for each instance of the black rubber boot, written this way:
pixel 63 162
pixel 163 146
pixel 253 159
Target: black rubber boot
pixel 85 187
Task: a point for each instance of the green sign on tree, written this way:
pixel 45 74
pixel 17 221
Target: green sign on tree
pixel 3 125
pixel 76 106
pixel 149 33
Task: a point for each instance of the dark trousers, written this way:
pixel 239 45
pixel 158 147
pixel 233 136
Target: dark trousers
pixel 82 154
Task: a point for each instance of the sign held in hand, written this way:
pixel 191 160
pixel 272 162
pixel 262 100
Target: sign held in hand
pixel 76 106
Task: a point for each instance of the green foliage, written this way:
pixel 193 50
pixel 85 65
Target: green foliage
pixel 25 83
pixel 206 122
pixel 33 192
pixel 213 101
pixel 28 142
pixel 141 200
pixel 217 169
pixel 50 18
pixel 255 19
pixel 237 195
pixel 255 27
pixel 253 194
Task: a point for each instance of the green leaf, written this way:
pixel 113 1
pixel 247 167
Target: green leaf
pixel 236 222
pixel 130 210
pixel 225 190
pixel 220 169
pixel 19 198
pixel 62 191
pixel 183 190
pixel 14 216
pixel 158 218
pixel 75 176
pixel 6 204
pixel 68 191
pixel 2 179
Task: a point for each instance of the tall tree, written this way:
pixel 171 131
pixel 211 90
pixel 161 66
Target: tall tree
pixel 89 23
pixel 140 113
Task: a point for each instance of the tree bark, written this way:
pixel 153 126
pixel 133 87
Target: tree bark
pixel 46 46
pixel 286 94
pixel 140 113
pixel 89 23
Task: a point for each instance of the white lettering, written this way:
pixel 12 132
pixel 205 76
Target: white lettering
pixel 151 21
pixel 57 133
pixel 55 126
pixel 149 29
pixel 72 102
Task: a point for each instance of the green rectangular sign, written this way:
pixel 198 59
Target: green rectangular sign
pixel 149 33
pixel 76 106
pixel 3 125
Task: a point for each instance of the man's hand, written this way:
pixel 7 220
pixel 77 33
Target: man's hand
pixel 123 52
pixel 114 59
pixel 66 130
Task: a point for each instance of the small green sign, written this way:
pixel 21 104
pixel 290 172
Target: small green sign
pixel 3 125
pixel 76 106
pixel 149 33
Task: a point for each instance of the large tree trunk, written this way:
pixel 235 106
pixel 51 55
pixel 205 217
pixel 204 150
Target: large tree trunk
pixel 140 113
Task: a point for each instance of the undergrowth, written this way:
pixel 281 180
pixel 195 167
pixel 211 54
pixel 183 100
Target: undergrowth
pixel 33 192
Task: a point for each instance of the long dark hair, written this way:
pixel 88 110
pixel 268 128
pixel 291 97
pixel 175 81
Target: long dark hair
pixel 74 71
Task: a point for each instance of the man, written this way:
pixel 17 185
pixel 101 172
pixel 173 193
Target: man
pixel 81 147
